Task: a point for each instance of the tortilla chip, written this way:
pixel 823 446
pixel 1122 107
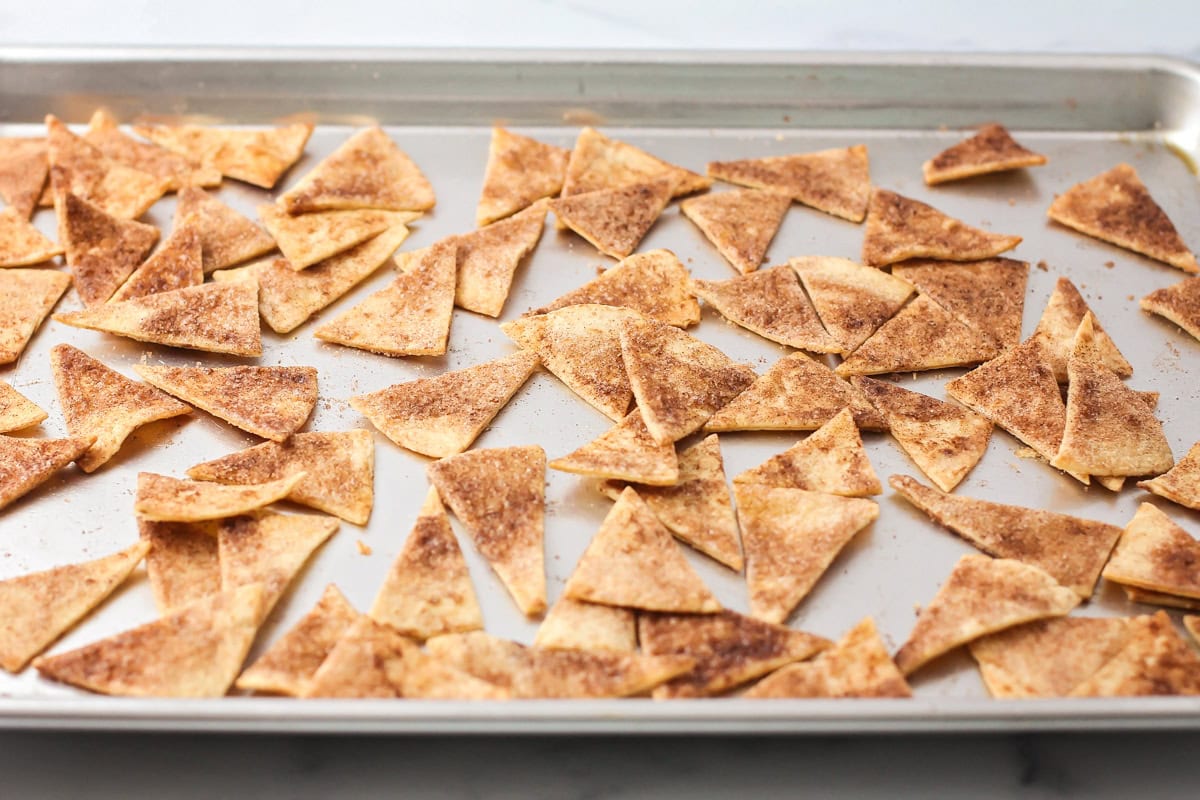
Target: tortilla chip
pixel 624 452
pixel 1155 661
pixel 176 265
pixel 851 300
pixel 308 239
pixel 1135 595
pixel 520 171
pixel 533 672
pixel 195 652
pixel 1116 207
pixel 633 562
pixel 729 649
pixel 79 168
pixel 1048 658
pixel 23 171
pixel 1192 623
pixel 598 162
pixel 257 157
pixel 791 536
pixel 987 295
pixel 740 223
pixel 500 497
pixel 101 249
pixel 1056 331
pixel 943 439
pixel 272 402
pixel 1110 429
pixel 922 336
pixel 21 244
pixel 698 508
pixel 1180 484
pixel 678 381
pixel 572 625
pixel 339 469
pixel 1069 549
pixel 183 564
pixel 655 284
pixel 269 549
pixel 832 460
pixel 900 228
pixel 1179 303
pixel 836 181
pixel 165 499
pixel 614 220
pixel 770 303
pixel 42 606
pixel 411 317
pixel 487 259
pixel 367 171
pixel 421 676
pixel 356 666
pixel 991 150
pixel 226 237
pixel 290 663
pixel 177 170
pixel 25 464
pixel 213 317
pixel 17 411
pixel 26 297
pixel 1156 554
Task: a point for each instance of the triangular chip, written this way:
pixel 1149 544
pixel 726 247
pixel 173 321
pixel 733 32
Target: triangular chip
pixel 269 549
pixel 177 170
pixel 923 336
pixel 23 171
pixel 729 649
pixel 678 381
pixel 356 666
pixel 17 411
pixel 831 460
pixel 26 297
pixel 633 562
pixel 943 439
pixel 101 402
pixel 1155 661
pixel 272 402
pixel 428 590
pixel 1110 429
pixel 1069 549
pixel 991 150
pixel 500 496
pixel 79 168
pixel 443 415
pixel 791 536
pixel 101 249
pixel 654 284
pixel 851 300
pixel 614 220
pixel 213 317
pixel 41 606
pixel 195 652
pixel 520 171
pixel 982 595
pixel 290 663
pixel 184 563
pixel 572 625
pixel 1056 331
pixel 411 317
pixel 836 181
pixel 165 499
pixel 367 171
pixel 226 237
pixel 487 259
pixel 770 303
pixel 857 666
pixel 598 162
pixel 1180 484
pixel 740 224
pixel 308 239
pixel 1156 554
pixel 339 469
pixel 900 228
pixel 27 463
pixel 1179 303
pixel 795 394
pixel 258 157
pixel 698 508
pixel 987 295
pixel 176 265
pixel 419 675
pixel 21 244
pixel 624 452
pixel 1116 207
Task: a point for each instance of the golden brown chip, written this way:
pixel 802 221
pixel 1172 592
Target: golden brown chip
pixel 572 625
pixel 791 536
pixel 79 168
pixel 831 460
pixel 1056 332
pixel 624 452
pixel 26 297
pixel 987 295
pixel 101 249
pixel 356 666
pixel 195 652
pixel 272 402
pixel 991 150
pixel 27 463
pixel 1180 484
pixel 614 220
pixel 1136 595
pixel 1116 207
pixel 419 675
pixel 1192 623
pixel 1179 303
pixel 900 228
pixel 41 606
pixel 17 411
pixel 411 317
pixel 308 239
pixel 943 439
pixel 1156 554
pixel 520 171
pixel 176 265
pixel 269 549
pixel 487 259
pixel 23 171
pixel 184 563
pixel 678 381
pixel 633 562
pixel 258 157
pixel 836 181
pixel 226 237
pixel 177 170
pixel 500 497
pixel 740 223
pixel 428 591
pixel 165 499
pixel 851 300
pixel 339 467
pixel 21 244
pixel 1155 661
pixel 598 162
pixel 1069 549
pixel 770 303
pixel 729 649
pixel 367 171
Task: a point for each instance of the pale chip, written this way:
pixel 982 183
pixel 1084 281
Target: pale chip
pixel 624 452
pixel 900 228
pixel 177 170
pixel 520 171
pixel 25 464
pixel 572 625
pixel 1056 331
pixel 17 411
pixel 419 675
pixel 1179 303
pixel 23 171
pixel 1180 484
pixel 831 460
pixel 614 220
pixel 488 258
pixel 26 297
pixel 101 250
pixel 177 264
pixel 836 181
pixel 1155 661
pixel 184 563
pixel 991 150
pixel 740 223
pixel 165 499
pixel 21 244
pixel 1136 595
pixel 269 549
pixel 79 168
pixel 851 300
pixel 309 239
pixel 598 162
pixel 1156 554
pixel 258 157
pixel 989 296
pixel 356 666
pixel 226 237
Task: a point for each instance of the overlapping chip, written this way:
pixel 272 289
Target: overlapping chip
pixel 1179 303
pixel 177 264
pixel 17 411
pixel 740 224
pixel 614 220
pixel 851 300
pixel 309 239
pixel 101 249
pixel 653 283
pixel 269 549
pixel 23 171
pixel 79 168
pixel 900 228
pixel 520 171
pixel 598 162
pixel 992 149
pixel 26 297
pixel 1056 329
pixel 987 295
pixel 572 625
pixel 21 244
pixel 1156 554
pixel 488 258
pixel 1180 484
pixel 1155 661
pixel 257 157
pixel 625 452
pixel 184 563
pixel 226 237
pixel 831 460
pixel 25 464
pixel 836 181
pixel 162 498
pixel 177 170
pixel 357 664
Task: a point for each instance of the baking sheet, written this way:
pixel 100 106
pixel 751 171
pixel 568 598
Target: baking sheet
pixel 895 105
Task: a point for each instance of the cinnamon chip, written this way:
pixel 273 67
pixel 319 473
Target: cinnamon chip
pixel 488 258
pixel 176 265
pixel 740 223
pixel 598 162
pixel 25 464
pixel 614 220
pixel 177 170
pixel 1156 554
pixel 21 244
pixel 226 237
pixel 1180 484
pixel 900 228
pixel 520 171
pixel 572 625
pixel 164 499
pixel 309 239
pixel 831 460
pixel 835 181
pixel 991 150
pixel 624 452
pixel 101 250
pixel 1155 661
pixel 1179 303
pixel 257 157
pixel 1056 331
pixel 23 171
pixel 989 296
pixel 851 300
pixel 79 168
pixel 654 284
pixel 269 549
pixel 17 411
pixel 26 297
pixel 184 562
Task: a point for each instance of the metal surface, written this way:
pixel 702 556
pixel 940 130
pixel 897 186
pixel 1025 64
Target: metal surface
pixel 1085 114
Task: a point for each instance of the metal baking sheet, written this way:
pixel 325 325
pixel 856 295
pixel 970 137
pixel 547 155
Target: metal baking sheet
pixel 1086 114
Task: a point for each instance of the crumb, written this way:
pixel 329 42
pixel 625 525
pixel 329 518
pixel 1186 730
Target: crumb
pixel 787 117
pixel 916 609
pixel 1109 264
pixel 599 269
pixel 1012 201
pixel 363 548
pixel 779 137
pixel 1043 266
pixel 1129 297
